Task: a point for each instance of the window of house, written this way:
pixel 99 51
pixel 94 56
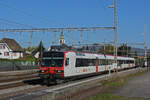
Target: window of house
pixel 6 53
pixel 3 46
pixel 0 46
pixel 0 53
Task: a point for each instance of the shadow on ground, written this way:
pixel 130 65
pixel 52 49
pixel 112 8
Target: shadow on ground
pixel 37 81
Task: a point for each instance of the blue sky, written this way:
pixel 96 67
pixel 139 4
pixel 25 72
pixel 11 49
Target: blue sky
pixel 132 15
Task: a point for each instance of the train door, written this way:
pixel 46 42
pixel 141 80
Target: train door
pixel 97 62
pixel 69 68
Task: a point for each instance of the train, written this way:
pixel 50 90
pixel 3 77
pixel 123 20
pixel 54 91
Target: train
pixel 59 66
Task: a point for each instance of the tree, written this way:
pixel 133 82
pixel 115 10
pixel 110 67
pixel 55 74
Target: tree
pixel 38 51
pixel 107 49
pixel 30 49
pixel 124 50
pixel 41 48
pixel 135 54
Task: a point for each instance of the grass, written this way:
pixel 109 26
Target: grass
pixel 120 81
pixel 109 96
pixel 113 84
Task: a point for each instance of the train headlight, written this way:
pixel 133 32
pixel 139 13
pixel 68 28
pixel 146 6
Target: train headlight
pixel 59 71
pixel 42 71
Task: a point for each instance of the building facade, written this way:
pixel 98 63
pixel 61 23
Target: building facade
pixel 10 49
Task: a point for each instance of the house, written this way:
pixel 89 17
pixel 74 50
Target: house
pixel 10 49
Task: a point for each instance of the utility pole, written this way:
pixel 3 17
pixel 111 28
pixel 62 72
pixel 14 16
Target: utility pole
pixel 54 38
pixel 104 47
pixel 31 34
pixel 114 6
pixel 145 46
pixel 72 38
pixel 81 37
pixel 115 31
pixel 127 49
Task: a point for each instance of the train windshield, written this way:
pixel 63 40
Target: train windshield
pixel 52 59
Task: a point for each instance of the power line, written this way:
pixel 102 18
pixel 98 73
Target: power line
pixel 15 23
pixel 24 12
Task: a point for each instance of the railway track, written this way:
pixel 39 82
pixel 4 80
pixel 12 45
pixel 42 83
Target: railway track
pixel 12 83
pixel 21 87
pixel 17 84
pixel 17 78
pixel 27 86
pixel 21 73
pixel 4 79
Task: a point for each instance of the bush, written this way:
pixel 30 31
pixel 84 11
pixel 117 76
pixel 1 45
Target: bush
pixel 27 58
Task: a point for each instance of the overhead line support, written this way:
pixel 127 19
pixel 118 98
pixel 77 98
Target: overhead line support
pixel 56 29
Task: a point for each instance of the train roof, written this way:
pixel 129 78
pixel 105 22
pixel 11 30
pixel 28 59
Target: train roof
pixel 100 55
pixel 95 55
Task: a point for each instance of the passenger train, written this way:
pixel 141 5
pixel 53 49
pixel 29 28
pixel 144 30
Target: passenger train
pixel 68 65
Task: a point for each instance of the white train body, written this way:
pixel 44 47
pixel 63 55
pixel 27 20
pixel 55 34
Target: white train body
pixel 79 64
pixel 105 63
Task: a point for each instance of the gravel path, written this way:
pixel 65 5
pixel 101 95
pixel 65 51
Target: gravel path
pixel 137 87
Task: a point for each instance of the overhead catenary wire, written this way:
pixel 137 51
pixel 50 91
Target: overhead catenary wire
pixel 19 10
pixel 57 29
pixel 15 23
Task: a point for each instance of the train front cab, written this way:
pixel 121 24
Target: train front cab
pixel 52 65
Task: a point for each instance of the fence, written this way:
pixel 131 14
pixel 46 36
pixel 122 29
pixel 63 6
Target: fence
pixel 18 65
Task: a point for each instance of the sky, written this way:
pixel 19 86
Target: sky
pixel 132 16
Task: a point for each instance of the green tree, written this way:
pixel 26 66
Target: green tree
pixel 135 54
pixel 30 49
pixel 107 49
pixel 124 50
pixel 41 48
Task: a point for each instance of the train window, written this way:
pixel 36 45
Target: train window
pixel 45 62
pixel 52 59
pixel 52 62
pixel 94 62
pixel 128 61
pixel 109 62
pixel 102 62
pixel 90 62
pixel 131 61
pixel 119 62
pixel 67 61
pixel 125 62
pixel 99 62
pixel 85 62
pixel 77 62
